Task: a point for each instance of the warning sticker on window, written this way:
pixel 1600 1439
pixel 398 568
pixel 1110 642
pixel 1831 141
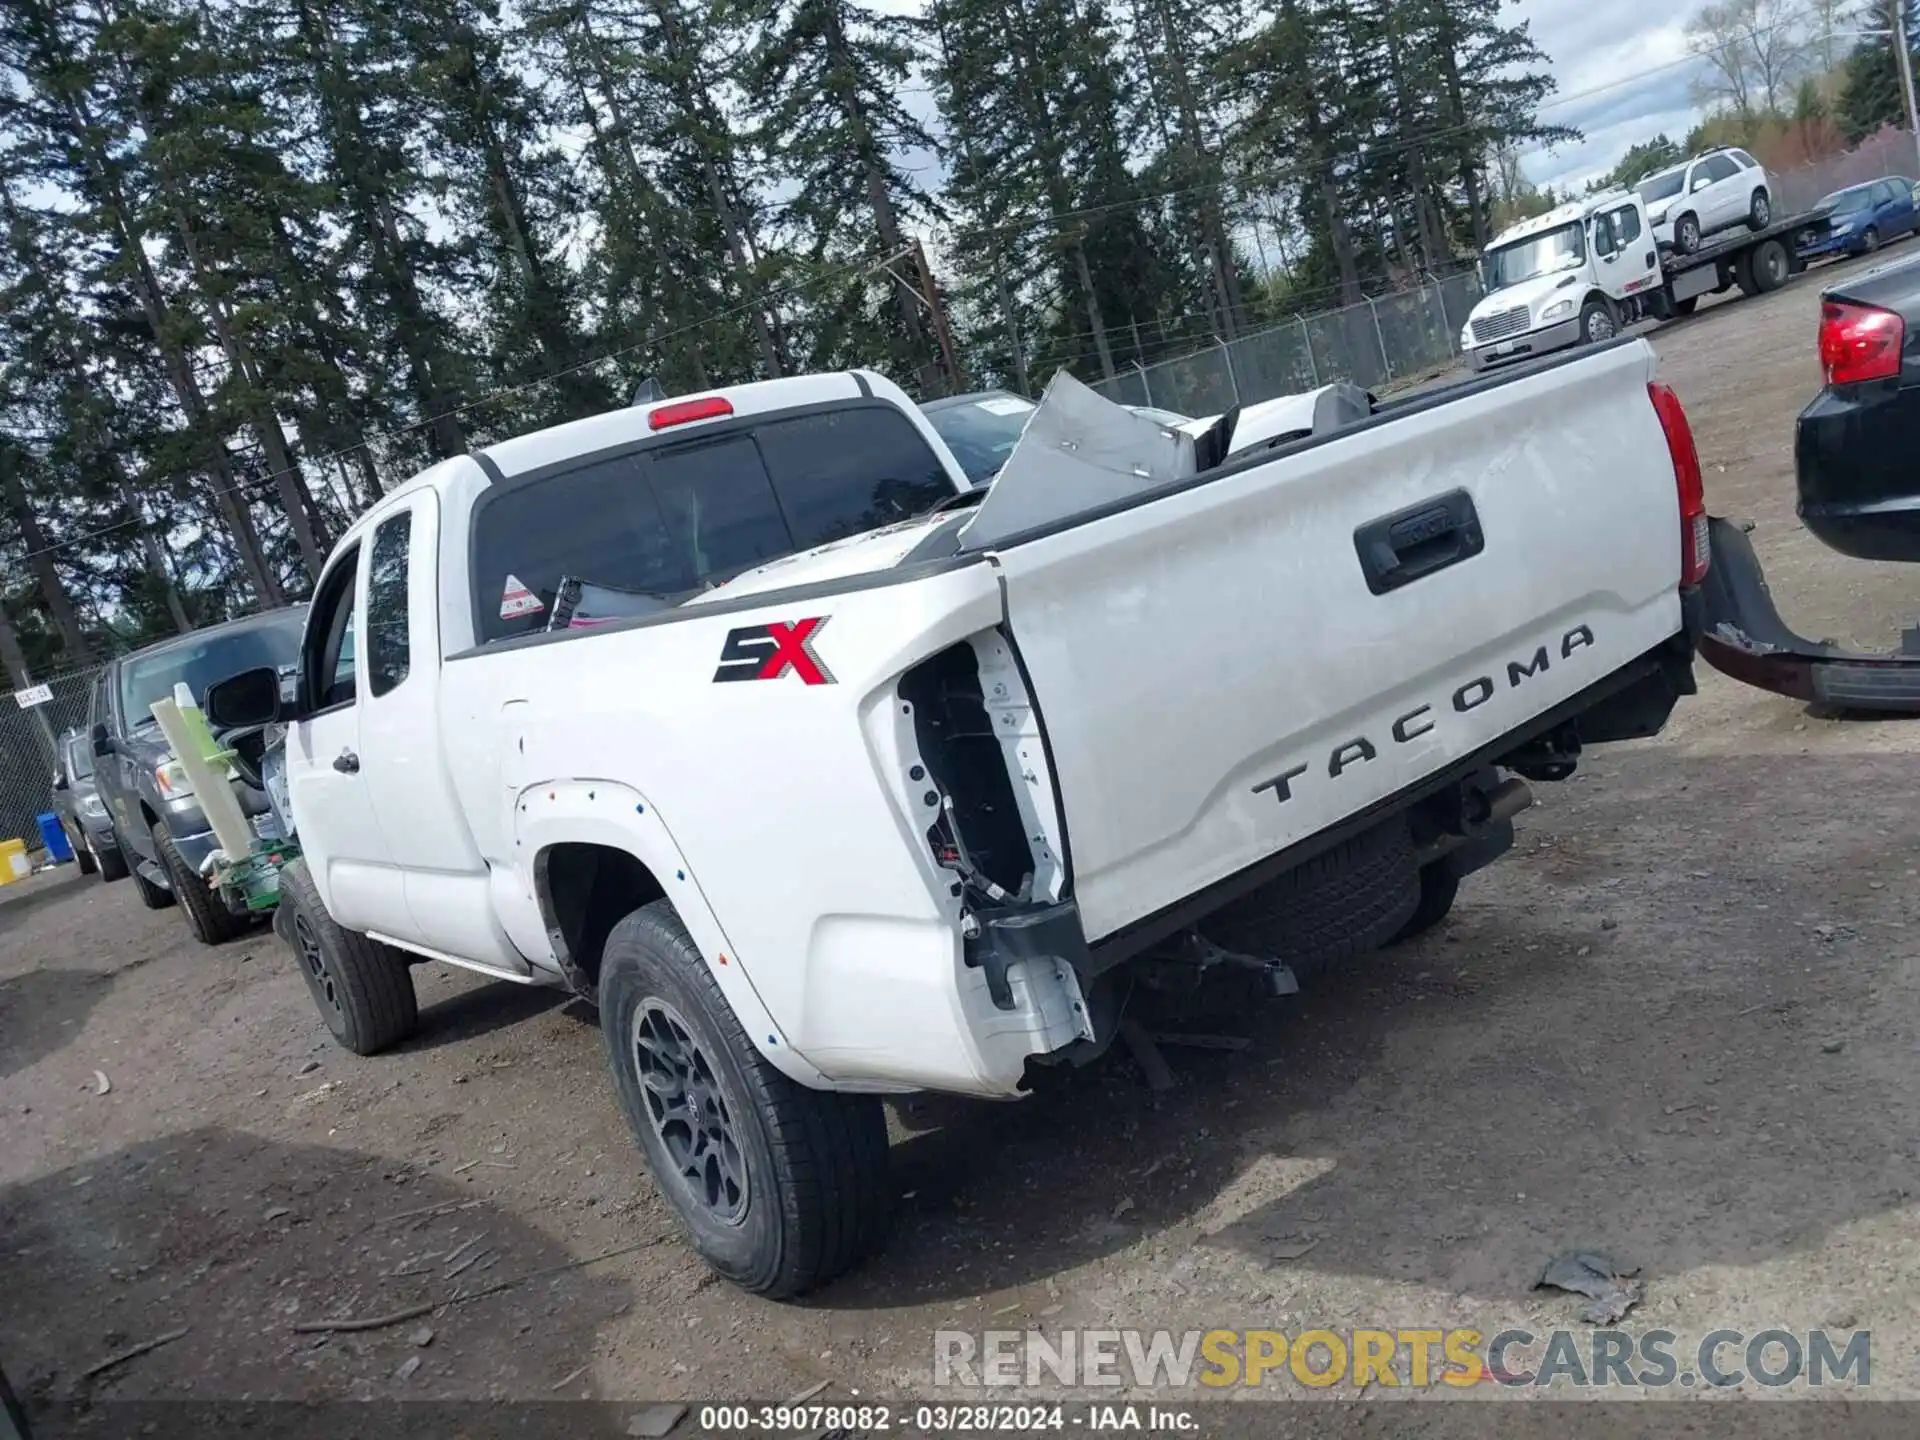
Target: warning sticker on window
pixel 1004 405
pixel 516 600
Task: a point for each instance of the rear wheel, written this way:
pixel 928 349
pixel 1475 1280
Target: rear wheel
pixel 1686 306
pixel 1772 267
pixel 112 860
pixel 780 1188
pixel 1686 234
pixel 363 989
pixel 208 917
pixel 1760 213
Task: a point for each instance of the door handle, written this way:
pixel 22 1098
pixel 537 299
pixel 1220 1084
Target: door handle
pixel 1422 540
pixel 347 763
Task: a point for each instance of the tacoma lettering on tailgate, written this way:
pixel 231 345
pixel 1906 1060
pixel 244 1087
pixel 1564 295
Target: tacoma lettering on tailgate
pixel 1423 719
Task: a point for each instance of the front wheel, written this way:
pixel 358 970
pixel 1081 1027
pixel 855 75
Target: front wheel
pixel 363 989
pixel 82 853
pixel 780 1188
pixel 1596 323
pixel 1760 213
pixel 154 897
pixel 1870 241
pixel 208 917
pixel 1686 234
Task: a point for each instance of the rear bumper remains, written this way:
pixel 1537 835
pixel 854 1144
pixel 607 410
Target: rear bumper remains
pixel 1746 639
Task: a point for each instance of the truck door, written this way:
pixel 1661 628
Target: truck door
pixel 1629 260
pixel 332 805
pixel 438 866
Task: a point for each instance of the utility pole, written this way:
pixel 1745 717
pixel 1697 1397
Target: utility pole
pixel 1903 57
pixel 943 334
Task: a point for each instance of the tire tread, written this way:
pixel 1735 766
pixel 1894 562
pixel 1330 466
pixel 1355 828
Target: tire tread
pixel 382 1007
pixel 1344 902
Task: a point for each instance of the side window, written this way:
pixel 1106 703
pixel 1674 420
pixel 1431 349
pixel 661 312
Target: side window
pixel 1626 226
pixel 1719 167
pixel 388 653
pixel 1747 162
pixel 1883 193
pixel 327 663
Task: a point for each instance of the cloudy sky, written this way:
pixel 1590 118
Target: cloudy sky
pixel 1623 75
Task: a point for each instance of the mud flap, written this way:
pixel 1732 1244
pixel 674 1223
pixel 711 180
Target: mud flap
pixel 1745 638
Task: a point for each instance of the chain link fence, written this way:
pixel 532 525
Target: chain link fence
pixel 1383 340
pixel 29 736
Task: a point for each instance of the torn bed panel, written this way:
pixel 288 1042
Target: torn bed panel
pixel 1079 451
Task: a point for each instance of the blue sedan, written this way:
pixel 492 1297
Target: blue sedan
pixel 1862 218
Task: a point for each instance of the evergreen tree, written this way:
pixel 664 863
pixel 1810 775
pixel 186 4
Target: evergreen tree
pixel 825 84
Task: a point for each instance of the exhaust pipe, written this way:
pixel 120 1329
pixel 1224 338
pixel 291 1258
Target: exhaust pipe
pixel 1481 810
pixel 1482 817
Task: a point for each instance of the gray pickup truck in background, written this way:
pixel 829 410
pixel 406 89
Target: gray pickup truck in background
pixel 157 821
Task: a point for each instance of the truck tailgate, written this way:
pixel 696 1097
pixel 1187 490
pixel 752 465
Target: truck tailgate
pixel 1220 676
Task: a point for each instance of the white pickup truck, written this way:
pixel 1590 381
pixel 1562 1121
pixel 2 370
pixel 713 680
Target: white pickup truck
pixel 826 776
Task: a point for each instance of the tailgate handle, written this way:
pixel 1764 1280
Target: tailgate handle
pixel 1419 541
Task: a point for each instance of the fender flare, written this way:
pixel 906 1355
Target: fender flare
pixel 605 812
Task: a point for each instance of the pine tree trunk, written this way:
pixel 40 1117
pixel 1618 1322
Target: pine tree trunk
pixel 155 552
pixel 886 222
pixel 698 104
pixel 131 238
pixel 15 659
pixel 291 484
pixel 39 556
pixel 363 181
pixel 1217 246
pixel 1094 317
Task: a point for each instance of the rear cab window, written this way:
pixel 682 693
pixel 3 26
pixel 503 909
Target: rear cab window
pixel 639 530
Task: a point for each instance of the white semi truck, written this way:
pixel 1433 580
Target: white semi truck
pixel 1582 273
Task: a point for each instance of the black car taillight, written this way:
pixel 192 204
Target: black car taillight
pixel 1860 342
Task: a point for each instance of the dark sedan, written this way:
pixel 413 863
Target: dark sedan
pixel 1855 448
pixel 1862 218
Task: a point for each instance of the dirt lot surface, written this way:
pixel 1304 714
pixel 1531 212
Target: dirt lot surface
pixel 1680 1024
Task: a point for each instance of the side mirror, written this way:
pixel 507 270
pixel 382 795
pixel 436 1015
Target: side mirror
pixel 1700 182
pixel 102 742
pixel 250 698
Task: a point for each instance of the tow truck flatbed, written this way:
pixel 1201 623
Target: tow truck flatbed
pixel 1735 259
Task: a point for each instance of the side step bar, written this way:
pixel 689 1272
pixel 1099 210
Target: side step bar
pixel 1745 638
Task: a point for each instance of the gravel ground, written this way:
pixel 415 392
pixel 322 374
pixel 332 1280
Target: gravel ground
pixel 1678 1024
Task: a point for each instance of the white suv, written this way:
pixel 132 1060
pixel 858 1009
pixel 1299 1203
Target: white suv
pixel 1709 193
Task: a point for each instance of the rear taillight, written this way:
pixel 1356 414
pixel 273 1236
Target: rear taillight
pixel 1859 342
pixel 1695 551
